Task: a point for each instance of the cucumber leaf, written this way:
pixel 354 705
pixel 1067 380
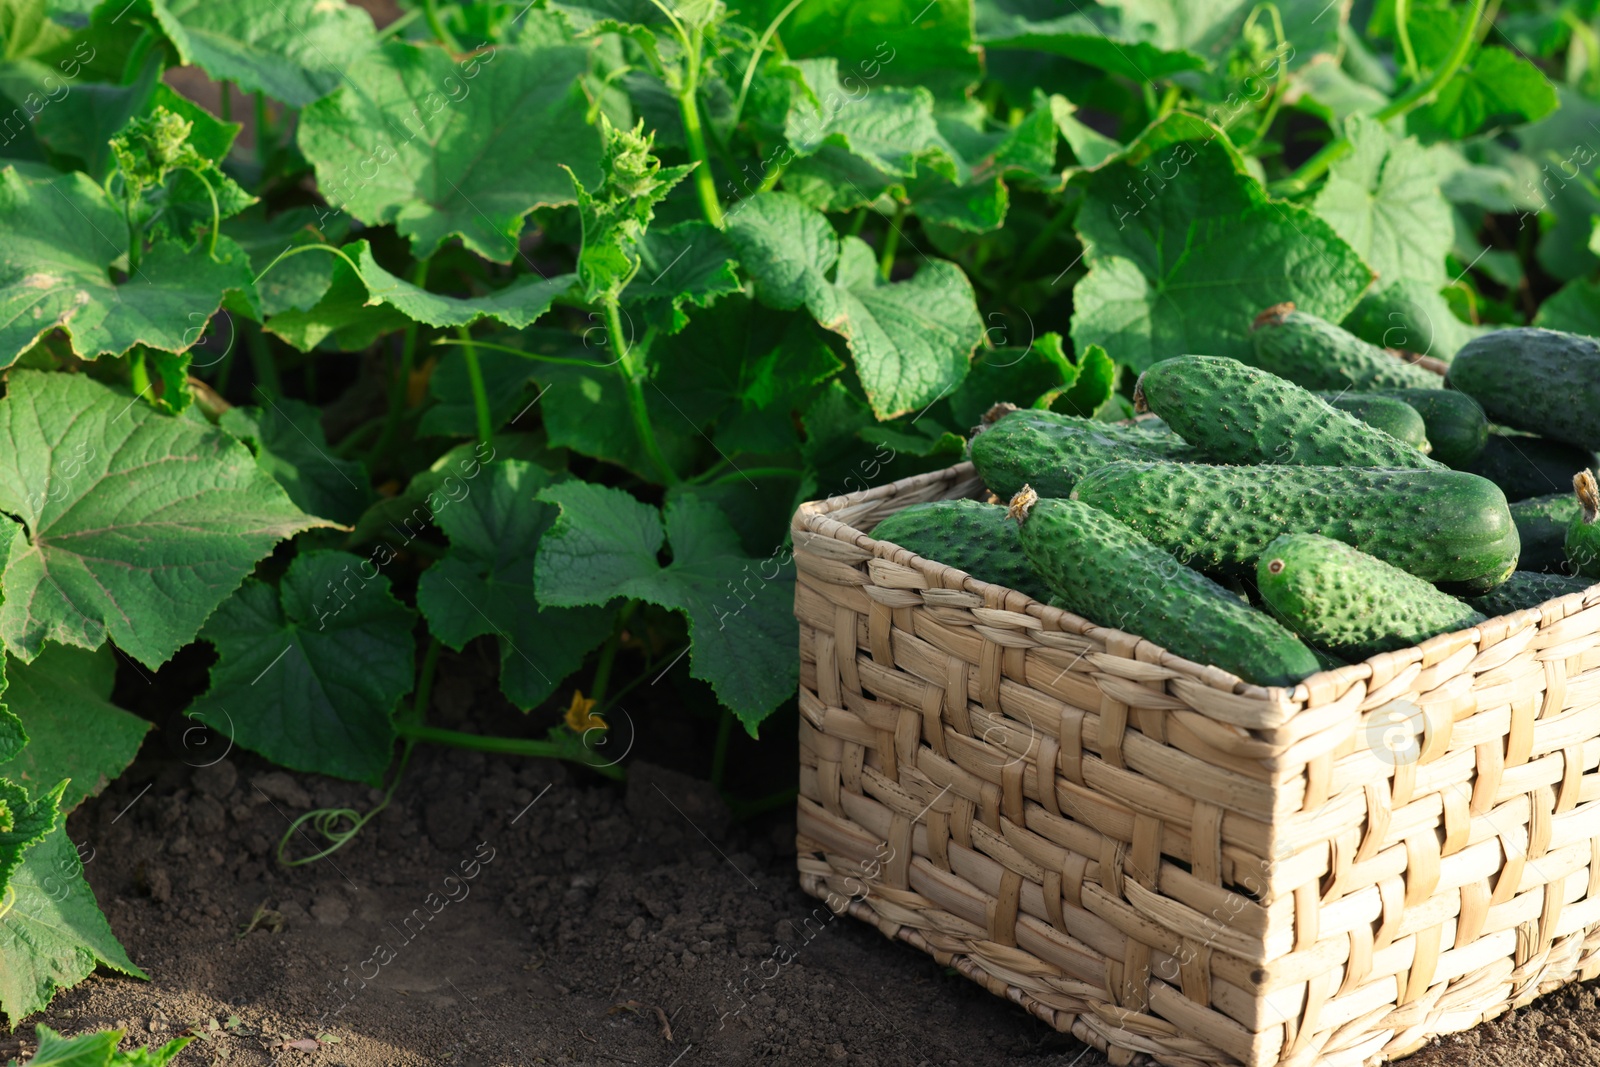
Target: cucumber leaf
pixel 485 585
pixel 471 163
pixel 63 698
pixel 53 936
pixel 99 1050
pixel 605 544
pixel 130 524
pixel 290 447
pixel 1185 248
pixel 517 305
pixel 308 673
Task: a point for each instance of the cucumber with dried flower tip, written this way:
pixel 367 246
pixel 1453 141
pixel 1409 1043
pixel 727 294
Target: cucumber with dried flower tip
pixel 1454 422
pixel 1583 536
pixel 1110 575
pixel 1394 417
pixel 1526 589
pixel 1544 381
pixel 1523 465
pixel 1443 526
pixel 1317 354
pixel 1351 603
pixel 1233 413
pixel 1542 523
pixel 969 535
pixel 1051 452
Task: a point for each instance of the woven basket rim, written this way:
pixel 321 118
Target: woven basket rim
pixel 1212 676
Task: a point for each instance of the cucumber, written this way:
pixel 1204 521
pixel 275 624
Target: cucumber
pixel 1350 603
pixel 1455 424
pixel 1232 413
pixel 968 535
pixel 1442 526
pixel 1526 589
pixel 1394 417
pixel 1107 573
pixel 1583 536
pixel 1317 354
pixel 1052 451
pixel 1543 381
pixel 1523 465
pixel 1542 523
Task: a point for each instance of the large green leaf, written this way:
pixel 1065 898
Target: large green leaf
pixel 287 438
pixel 308 673
pixel 53 936
pixel 1384 199
pixel 74 731
pixel 1564 150
pixel 605 545
pixel 1094 35
pixel 517 305
pixel 1185 248
pixel 882 42
pixel 911 341
pixel 26 816
pixel 344 312
pixel 687 265
pixel 506 380
pixel 1494 84
pixel 485 585
pixel 292 50
pixel 130 523
pixel 62 236
pixel 1575 308
pixel 441 149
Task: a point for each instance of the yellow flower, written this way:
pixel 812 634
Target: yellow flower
pixel 580 716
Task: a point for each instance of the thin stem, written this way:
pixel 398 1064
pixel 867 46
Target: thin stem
pixel 513 746
pixel 759 472
pixel 398 387
pixel 689 106
pixel 755 57
pixel 430 11
pixel 1402 33
pixel 263 131
pixel 424 692
pixel 891 242
pixel 747 809
pixel 327 821
pixel 632 378
pixel 352 440
pixel 399 24
pixel 261 360
pixel 1169 100
pixel 608 653
pixel 719 754
pixel 491 346
pixel 480 396
pixel 216 212
pixel 137 54
pixel 298 249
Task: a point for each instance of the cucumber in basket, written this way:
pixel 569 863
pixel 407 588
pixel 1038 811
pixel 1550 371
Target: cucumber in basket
pixel 1394 417
pixel 1317 354
pixel 1109 574
pixel 1233 413
pixel 1583 536
pixel 1542 523
pixel 1351 603
pixel 1523 465
pixel 1455 424
pixel 969 535
pixel 1544 381
pixel 1051 451
pixel 1526 589
pixel 1442 526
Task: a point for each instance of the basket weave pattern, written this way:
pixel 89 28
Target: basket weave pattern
pixel 1172 864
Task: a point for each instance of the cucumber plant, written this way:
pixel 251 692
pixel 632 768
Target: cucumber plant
pixel 519 330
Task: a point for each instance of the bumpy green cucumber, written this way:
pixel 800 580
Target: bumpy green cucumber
pixel 1526 589
pixel 1051 451
pixel 1543 381
pixel 1443 526
pixel 1318 354
pixel 1232 413
pixel 1394 417
pixel 1583 536
pixel 1542 523
pixel 1524 466
pixel 1456 426
pixel 1110 575
pixel 969 535
pixel 1351 603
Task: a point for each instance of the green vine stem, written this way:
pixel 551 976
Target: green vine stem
pixel 261 360
pixel 136 55
pixel 891 242
pixel 628 365
pixel 480 396
pixel 436 26
pixel 263 131
pixel 689 106
pixel 490 346
pixel 398 387
pixel 1402 33
pixel 719 753
pixel 608 654
pixel 572 750
pixel 1421 93
pixel 755 57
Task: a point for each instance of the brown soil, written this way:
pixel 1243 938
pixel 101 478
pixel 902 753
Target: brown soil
pixel 511 911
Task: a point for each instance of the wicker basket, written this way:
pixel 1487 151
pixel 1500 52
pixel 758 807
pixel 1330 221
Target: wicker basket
pixel 1171 863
